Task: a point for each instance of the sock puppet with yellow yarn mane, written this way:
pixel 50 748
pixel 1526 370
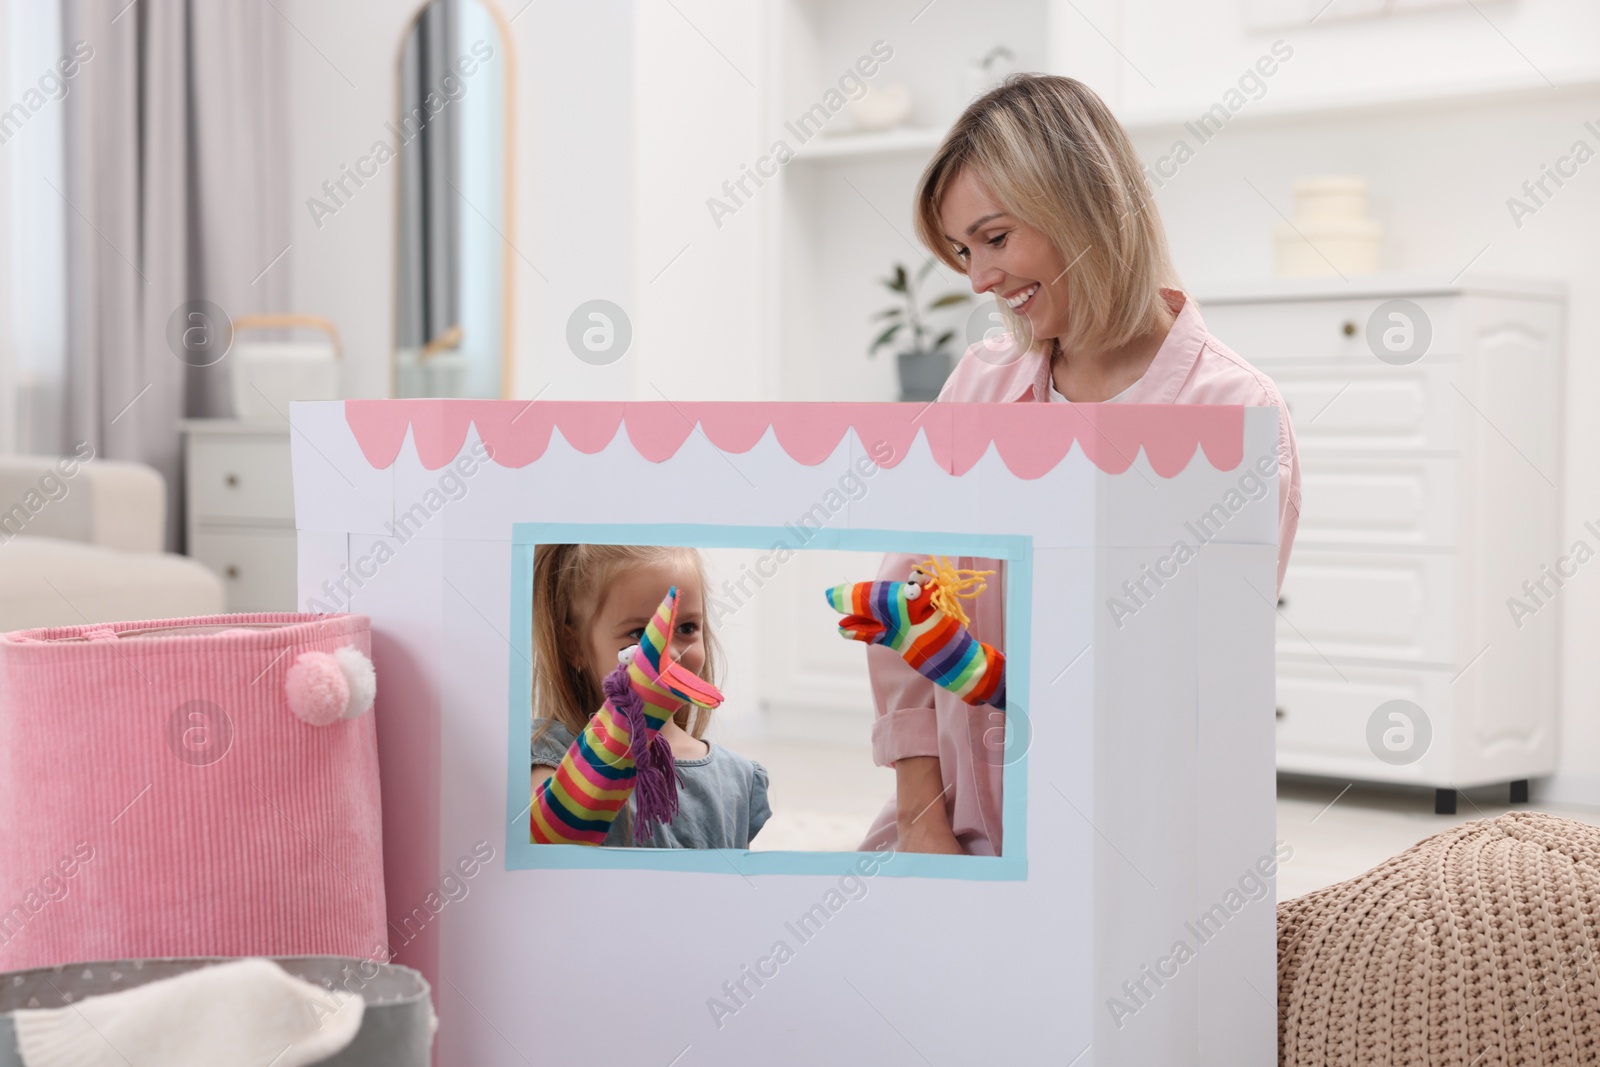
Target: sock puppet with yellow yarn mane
pixel 922 619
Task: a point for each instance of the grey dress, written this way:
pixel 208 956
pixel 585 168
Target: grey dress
pixel 722 797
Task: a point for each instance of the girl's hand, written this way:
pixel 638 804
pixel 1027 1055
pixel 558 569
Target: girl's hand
pixel 663 685
pixel 621 751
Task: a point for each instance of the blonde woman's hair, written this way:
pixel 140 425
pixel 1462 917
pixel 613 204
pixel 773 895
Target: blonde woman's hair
pixel 1052 155
pixel 569 584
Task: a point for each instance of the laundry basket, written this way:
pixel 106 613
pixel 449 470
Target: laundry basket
pixel 161 795
pixel 269 374
pixel 397 1021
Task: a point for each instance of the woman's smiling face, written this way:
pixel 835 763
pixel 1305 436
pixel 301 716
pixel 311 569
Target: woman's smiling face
pixel 1005 256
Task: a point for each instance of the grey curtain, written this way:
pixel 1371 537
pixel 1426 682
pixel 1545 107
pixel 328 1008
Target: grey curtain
pixel 176 173
pixel 429 299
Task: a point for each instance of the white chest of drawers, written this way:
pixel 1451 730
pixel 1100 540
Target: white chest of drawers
pixel 1430 495
pixel 239 505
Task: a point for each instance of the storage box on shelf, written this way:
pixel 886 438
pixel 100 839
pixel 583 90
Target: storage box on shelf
pixel 240 509
pixel 839 211
pixel 1430 496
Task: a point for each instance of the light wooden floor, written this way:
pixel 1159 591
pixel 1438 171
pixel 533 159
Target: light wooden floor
pixel 1338 837
pixel 823 797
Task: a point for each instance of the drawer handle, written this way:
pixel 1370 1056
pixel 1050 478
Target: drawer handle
pixel 1349 328
pixel 231 481
pixel 231 570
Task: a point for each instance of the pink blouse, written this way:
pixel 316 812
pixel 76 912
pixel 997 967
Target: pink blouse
pixel 917 718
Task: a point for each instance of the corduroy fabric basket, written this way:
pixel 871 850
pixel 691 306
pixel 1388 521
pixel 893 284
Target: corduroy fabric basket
pixel 1476 947
pixel 159 798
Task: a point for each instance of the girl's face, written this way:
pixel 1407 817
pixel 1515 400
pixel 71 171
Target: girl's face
pixel 627 607
pixel 1005 256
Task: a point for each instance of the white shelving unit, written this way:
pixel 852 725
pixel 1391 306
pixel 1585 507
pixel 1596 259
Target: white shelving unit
pixel 867 145
pixel 1396 471
pixel 1430 495
pixel 840 215
pixel 838 219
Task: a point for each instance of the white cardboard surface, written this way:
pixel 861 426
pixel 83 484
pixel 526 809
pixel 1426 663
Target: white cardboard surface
pixel 1148 779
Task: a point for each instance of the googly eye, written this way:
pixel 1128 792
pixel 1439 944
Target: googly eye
pixel 626 655
pixel 913 590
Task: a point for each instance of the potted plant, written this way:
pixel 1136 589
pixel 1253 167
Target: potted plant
pixel 924 364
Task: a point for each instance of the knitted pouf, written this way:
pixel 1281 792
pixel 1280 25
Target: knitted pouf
pixel 1476 947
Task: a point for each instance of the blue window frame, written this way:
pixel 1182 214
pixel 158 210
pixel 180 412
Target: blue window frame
pixel 1016 550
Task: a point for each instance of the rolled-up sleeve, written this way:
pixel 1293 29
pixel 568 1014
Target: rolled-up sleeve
pixel 905 723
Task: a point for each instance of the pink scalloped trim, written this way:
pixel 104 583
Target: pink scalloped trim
pixel 1031 438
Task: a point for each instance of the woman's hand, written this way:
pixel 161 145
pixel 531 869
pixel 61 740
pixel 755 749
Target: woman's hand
pixel 922 822
pixel 931 833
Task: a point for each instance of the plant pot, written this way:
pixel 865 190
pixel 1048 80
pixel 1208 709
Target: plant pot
pixel 922 374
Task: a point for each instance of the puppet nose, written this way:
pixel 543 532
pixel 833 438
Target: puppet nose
pixel 842 598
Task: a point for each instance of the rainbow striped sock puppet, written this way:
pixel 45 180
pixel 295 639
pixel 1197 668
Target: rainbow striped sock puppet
pixel 922 619
pixel 621 750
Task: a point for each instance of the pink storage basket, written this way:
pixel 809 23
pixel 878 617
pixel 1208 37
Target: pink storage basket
pixel 159 797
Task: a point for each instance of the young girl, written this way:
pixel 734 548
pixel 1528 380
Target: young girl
pixel 623 673
pixel 1038 197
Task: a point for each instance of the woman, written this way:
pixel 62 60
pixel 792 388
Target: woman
pixel 1037 196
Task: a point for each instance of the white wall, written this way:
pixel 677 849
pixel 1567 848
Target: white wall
pixel 700 73
pixel 33 274
pixel 8 424
pixel 574 179
pixel 628 116
pixel 343 64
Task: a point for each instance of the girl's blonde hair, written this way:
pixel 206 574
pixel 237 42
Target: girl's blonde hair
pixel 569 584
pixel 1052 155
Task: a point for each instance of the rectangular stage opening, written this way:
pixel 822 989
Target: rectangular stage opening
pixel 783 775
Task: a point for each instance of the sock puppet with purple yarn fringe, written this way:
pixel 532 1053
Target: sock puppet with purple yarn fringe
pixel 621 751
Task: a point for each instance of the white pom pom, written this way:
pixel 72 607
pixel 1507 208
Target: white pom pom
pixel 362 678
